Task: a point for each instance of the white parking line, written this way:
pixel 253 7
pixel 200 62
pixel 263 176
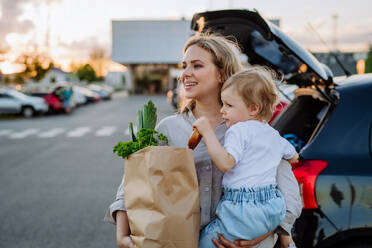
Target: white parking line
pixel 106 131
pixel 24 133
pixel 5 132
pixel 51 133
pixel 78 132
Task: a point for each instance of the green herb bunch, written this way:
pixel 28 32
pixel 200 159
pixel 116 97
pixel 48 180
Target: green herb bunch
pixel 146 136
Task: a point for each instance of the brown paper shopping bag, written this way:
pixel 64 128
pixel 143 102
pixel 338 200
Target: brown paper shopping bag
pixel 162 197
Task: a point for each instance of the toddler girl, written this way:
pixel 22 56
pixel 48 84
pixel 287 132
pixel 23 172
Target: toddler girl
pixel 251 205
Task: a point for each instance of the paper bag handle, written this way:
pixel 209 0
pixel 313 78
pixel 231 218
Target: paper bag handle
pixel 194 139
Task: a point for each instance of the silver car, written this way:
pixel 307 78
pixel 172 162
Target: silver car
pixel 14 102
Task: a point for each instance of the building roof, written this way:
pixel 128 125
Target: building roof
pixel 58 70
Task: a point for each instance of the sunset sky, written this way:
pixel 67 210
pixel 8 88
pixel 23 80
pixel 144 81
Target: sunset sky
pixel 75 27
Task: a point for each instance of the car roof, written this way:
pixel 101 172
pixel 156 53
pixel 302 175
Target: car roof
pixel 355 81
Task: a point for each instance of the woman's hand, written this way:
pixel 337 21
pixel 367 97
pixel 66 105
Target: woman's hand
pixel 125 242
pixel 285 240
pixel 240 243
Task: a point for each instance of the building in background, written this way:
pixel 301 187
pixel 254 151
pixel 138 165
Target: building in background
pixel 149 49
pixel 55 75
pixel 152 51
pixel 349 60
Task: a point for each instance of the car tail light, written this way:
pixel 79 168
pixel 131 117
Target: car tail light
pixel 306 172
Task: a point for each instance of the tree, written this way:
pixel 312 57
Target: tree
pixel 369 61
pixel 98 60
pixel 87 73
pixel 36 66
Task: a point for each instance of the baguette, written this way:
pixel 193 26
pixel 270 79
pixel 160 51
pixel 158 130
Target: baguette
pixel 194 139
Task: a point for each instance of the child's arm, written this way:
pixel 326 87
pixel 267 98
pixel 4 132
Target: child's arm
pixel 289 151
pixel 221 158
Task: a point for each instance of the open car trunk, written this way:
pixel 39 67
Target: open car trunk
pixel 303 118
pixel 265 44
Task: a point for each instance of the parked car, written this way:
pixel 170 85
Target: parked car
pixel 14 102
pixel 79 98
pixel 103 93
pixel 329 124
pixel 90 95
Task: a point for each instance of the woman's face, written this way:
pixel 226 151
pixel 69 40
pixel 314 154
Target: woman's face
pixel 200 77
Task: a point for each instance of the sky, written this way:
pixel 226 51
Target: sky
pixel 69 29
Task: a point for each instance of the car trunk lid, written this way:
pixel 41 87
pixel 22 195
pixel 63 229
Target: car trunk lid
pixel 264 43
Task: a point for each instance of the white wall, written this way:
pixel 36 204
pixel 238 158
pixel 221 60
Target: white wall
pixel 145 42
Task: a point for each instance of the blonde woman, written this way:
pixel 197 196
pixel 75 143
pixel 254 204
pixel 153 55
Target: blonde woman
pixel 208 61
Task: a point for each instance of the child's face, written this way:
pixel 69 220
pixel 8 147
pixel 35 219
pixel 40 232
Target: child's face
pixel 234 109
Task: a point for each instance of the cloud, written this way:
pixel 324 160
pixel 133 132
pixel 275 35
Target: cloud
pixel 350 36
pixel 80 50
pixel 11 11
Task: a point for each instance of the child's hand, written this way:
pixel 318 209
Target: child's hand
pixel 203 125
pixel 293 159
pixel 286 240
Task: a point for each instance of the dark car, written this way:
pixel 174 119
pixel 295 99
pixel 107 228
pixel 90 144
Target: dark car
pixel 329 124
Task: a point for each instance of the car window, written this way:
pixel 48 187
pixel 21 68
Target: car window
pixel 271 51
pixel 5 96
pixel 17 94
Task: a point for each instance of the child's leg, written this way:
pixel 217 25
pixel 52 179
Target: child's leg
pixel 207 234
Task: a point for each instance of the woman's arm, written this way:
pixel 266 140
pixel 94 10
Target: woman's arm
pixel 116 214
pixel 118 204
pixel 288 186
pixel 123 230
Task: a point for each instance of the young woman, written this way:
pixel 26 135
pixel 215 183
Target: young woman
pixel 208 61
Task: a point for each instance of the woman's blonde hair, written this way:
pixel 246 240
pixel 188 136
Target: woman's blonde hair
pixel 256 85
pixel 225 53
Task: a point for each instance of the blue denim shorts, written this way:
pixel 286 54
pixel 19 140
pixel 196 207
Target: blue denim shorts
pixel 245 213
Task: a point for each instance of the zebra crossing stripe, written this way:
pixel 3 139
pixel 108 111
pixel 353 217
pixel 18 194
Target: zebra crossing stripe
pixel 78 132
pixel 106 131
pixel 24 133
pixel 51 133
pixel 5 132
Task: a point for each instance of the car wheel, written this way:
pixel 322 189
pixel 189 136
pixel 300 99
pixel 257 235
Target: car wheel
pixel 28 112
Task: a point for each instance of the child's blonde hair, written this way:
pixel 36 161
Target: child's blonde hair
pixel 256 85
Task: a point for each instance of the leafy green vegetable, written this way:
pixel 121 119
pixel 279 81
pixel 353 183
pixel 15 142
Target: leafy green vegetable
pixel 146 136
pixel 139 119
pixel 149 115
pixel 131 132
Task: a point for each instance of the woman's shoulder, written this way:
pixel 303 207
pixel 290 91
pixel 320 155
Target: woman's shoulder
pixel 177 121
pixel 177 128
pixel 170 120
